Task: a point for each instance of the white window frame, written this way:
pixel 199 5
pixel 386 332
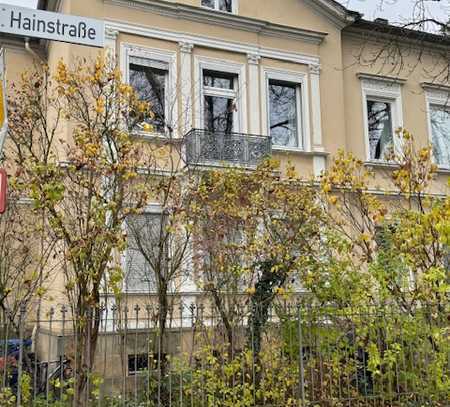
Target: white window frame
pixel 299 79
pixel 439 98
pixel 152 209
pixel 240 124
pixel 170 58
pixel 234 7
pixel 386 91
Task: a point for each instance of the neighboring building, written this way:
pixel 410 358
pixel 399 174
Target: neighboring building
pixel 283 76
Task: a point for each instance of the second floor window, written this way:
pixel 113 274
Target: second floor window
pixel 380 128
pixel 284 99
pixel 222 5
pixel 150 80
pixel 440 134
pixel 219 101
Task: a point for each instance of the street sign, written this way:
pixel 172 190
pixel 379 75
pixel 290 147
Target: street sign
pixel 51 26
pixel 3 190
pixel 3 105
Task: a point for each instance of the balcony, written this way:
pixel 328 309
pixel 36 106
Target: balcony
pixel 215 148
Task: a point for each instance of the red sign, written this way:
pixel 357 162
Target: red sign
pixel 3 190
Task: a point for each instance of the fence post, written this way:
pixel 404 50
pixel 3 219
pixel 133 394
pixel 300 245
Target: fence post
pixel 20 367
pixel 300 356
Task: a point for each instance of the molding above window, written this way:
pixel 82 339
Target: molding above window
pixel 437 94
pixel 429 86
pixel 380 86
pixel 224 19
pixel 381 78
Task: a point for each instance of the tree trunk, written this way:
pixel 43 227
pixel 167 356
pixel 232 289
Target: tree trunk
pixel 87 329
pixel 226 322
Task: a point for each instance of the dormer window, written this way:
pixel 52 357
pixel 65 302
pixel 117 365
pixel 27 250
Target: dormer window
pixel 221 5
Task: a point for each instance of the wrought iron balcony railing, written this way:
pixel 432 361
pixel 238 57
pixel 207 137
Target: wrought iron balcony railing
pixel 204 147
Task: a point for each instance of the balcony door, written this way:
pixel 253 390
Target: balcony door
pixel 220 113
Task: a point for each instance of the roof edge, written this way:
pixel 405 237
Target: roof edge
pixel 334 11
pixel 384 30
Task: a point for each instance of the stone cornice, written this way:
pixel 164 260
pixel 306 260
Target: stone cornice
pixel 215 43
pixel 229 20
pixel 430 86
pixel 382 78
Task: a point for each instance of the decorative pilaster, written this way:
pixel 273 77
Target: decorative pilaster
pixel 254 93
pixel 186 119
pixel 253 59
pixel 111 36
pixel 314 75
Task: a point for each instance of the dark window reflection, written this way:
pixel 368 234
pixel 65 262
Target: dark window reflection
pixel 440 131
pixel 218 80
pixel 150 84
pixel 225 5
pixel 219 101
pixel 380 129
pixel 208 3
pixel 218 114
pixel 283 113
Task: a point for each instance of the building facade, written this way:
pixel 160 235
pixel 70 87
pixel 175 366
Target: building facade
pixel 294 78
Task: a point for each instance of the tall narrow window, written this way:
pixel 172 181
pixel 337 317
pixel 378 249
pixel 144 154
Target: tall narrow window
pixel 222 5
pixel 283 113
pixel 219 101
pixel 380 128
pixel 440 134
pixel 145 256
pixel 150 79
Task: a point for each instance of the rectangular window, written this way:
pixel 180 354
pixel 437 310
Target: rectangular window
pixel 222 5
pixel 144 255
pixel 219 101
pixel 440 134
pixel 141 362
pixel 284 100
pixel 150 80
pixel 380 129
pixel 137 363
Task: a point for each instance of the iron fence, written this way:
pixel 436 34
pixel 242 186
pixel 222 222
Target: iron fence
pixel 300 354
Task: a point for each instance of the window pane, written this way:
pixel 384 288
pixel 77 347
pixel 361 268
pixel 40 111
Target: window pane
pixel 226 5
pixel 137 363
pixel 440 131
pixel 150 84
pixel 218 80
pixel 283 114
pixel 380 129
pixel 143 251
pixel 218 114
pixel 208 3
